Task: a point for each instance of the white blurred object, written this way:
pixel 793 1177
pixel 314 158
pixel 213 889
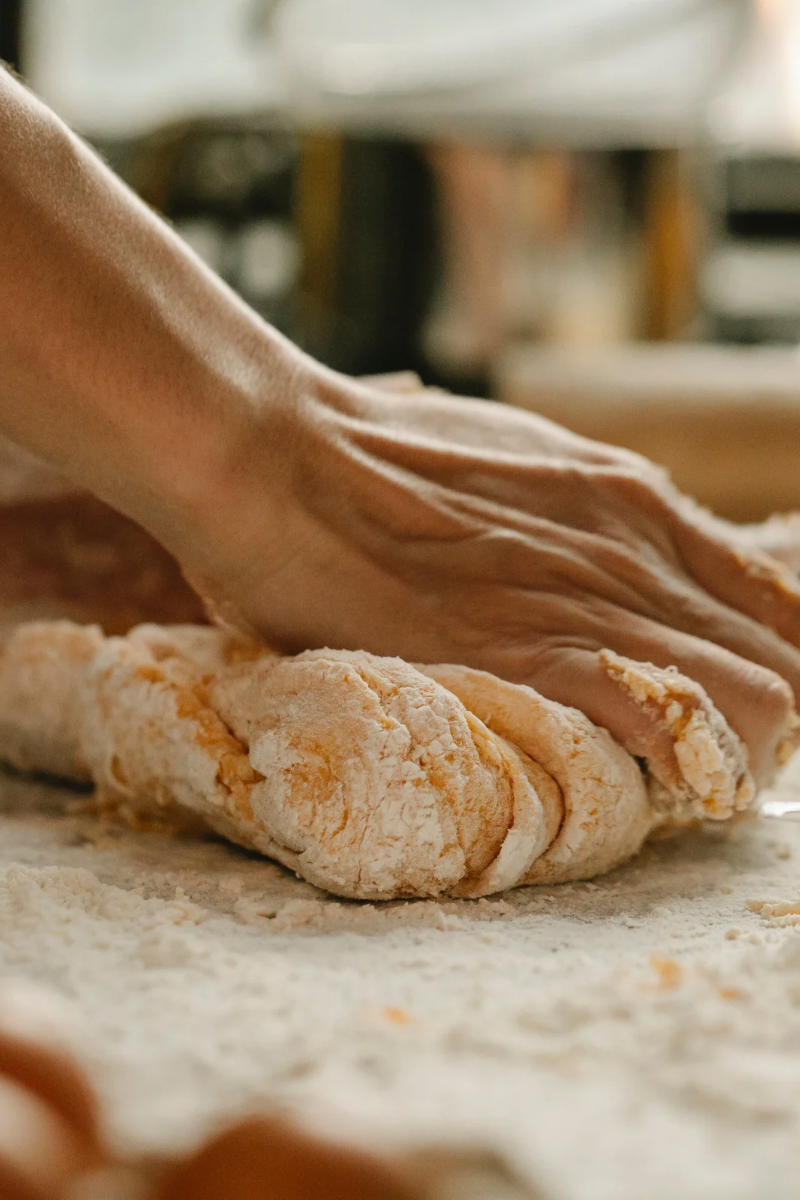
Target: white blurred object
pixel 753 281
pixel 782 809
pixel 121 67
pixel 207 238
pixel 269 259
pixel 750 282
pixel 581 72
pixel 759 106
pixel 587 71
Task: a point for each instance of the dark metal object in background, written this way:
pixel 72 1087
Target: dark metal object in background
pixel 331 239
pixel 367 223
pixel 10 32
pixel 386 255
pixel 751 274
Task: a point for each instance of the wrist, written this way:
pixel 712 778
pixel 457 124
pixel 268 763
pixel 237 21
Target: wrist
pixel 195 489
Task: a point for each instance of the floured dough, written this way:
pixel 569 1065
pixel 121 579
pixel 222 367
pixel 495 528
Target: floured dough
pixel 708 775
pixel 606 816
pixel 367 776
pixel 41 673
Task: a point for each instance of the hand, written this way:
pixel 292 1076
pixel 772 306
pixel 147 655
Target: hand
pixel 314 509
pixel 450 530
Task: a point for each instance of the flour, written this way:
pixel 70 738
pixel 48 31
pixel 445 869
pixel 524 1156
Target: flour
pixel 635 1036
pixel 777 912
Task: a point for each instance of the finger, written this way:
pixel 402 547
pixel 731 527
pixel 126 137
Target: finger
pixel 395 381
pixel 576 677
pixel 742 602
pixel 697 763
pixel 740 664
pixel 756 701
pixel 748 580
pixel 678 593
pixel 779 537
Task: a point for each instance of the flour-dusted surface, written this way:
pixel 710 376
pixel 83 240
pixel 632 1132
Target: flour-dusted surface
pixel 636 1036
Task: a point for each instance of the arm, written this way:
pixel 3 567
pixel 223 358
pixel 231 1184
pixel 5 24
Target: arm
pixel 123 360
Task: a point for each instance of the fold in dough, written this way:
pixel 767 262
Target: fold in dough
pixel 367 776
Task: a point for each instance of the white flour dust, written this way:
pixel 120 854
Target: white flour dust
pixel 635 1036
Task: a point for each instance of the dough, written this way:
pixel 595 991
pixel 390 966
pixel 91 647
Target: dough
pixel 708 775
pixel 64 553
pixel 367 776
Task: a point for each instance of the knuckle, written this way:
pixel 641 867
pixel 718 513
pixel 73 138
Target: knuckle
pixel 648 490
pixel 779 695
pixel 767 689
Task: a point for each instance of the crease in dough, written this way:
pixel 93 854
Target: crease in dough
pixel 606 814
pixel 379 780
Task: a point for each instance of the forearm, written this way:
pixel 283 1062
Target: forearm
pixel 123 361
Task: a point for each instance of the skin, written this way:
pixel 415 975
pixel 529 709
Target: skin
pixel 313 509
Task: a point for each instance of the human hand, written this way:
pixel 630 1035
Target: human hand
pixel 317 510
pixel 449 530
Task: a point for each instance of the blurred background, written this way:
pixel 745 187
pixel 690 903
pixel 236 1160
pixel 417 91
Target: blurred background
pixel 590 208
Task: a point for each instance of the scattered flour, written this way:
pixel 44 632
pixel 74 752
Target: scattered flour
pixel 635 1036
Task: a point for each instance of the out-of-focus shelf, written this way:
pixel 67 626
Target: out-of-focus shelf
pixel 724 420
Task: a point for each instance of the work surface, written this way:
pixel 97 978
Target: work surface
pixel 636 1036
